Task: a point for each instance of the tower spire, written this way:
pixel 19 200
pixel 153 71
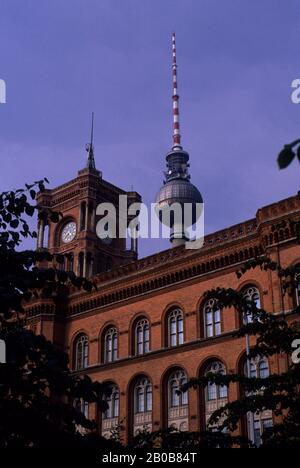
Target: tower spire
pixel 90 148
pixel 175 98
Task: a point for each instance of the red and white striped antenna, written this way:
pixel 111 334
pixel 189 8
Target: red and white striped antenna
pixel 175 98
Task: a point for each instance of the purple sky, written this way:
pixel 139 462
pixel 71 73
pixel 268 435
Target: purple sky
pixel 61 60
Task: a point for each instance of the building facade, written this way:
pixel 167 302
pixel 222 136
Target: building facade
pixel 148 327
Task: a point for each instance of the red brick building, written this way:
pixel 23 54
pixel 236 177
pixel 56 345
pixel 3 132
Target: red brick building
pixel 148 328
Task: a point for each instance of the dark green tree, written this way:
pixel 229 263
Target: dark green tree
pixel 37 389
pixel 278 392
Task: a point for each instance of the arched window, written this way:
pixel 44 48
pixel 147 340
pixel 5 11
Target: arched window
pixel 212 319
pixel 215 396
pixel 81 352
pixel 111 345
pixel 142 336
pixel 251 294
pixel 82 406
pixel 110 418
pixel 216 392
pixel 175 328
pixel 258 368
pixel 113 403
pixel 142 395
pixel 177 401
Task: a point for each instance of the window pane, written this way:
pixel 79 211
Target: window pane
pixel 257 439
pixel 140 335
pixel 209 318
pixel 140 348
pixel 263 369
pixel 248 318
pixel 267 423
pixel 115 347
pixel 108 412
pixel 173 340
pixel 174 395
pixel 79 356
pixel 146 347
pixel 86 409
pixel 140 400
pixel 253 370
pixel 108 345
pixel 86 351
pixel 218 329
pixel 209 331
pixel 116 405
pixel 212 391
pixel 256 299
pixel 184 398
pixel 149 398
pixel 223 391
pixel 217 316
pixel 173 325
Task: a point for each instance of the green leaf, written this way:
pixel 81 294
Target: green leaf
pixel 285 157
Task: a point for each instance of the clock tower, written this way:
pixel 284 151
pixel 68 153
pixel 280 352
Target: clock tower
pixel 75 235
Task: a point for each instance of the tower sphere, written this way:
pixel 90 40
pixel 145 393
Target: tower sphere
pixel 178 189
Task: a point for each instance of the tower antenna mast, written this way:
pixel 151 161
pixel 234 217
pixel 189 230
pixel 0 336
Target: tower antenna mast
pixel 175 99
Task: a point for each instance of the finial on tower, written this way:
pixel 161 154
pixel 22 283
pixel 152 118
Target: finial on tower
pixel 175 98
pixel 90 148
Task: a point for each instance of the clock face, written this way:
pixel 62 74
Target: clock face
pixel 68 232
